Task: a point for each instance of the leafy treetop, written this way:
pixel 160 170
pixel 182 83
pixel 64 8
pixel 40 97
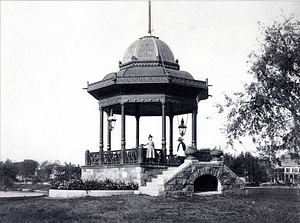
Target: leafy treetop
pixel 269 108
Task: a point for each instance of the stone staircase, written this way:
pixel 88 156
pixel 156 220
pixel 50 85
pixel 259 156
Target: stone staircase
pixel 164 183
pixel 156 186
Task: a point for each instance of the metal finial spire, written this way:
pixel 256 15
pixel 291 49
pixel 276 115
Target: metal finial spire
pixel 149 30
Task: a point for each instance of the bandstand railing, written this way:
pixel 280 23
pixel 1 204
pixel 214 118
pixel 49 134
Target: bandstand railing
pixel 137 156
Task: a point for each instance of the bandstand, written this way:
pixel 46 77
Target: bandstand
pixel 149 83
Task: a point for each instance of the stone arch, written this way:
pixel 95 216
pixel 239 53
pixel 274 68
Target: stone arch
pixel 213 173
pixel 206 170
pixel 206 182
pixel 186 179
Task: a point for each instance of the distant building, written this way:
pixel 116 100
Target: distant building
pixel 289 171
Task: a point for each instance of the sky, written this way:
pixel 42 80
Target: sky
pixel 50 49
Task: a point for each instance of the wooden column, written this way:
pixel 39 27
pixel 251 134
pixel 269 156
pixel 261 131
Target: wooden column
pixel 194 126
pixel 171 130
pixel 163 138
pixel 101 136
pixel 123 141
pixel 137 126
pixel 137 132
pixel 108 134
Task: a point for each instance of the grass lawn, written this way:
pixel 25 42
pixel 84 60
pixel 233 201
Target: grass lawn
pixel 261 205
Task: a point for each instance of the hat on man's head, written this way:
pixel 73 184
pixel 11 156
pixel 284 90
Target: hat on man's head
pixel 150 136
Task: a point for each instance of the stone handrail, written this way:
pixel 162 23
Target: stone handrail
pixel 228 170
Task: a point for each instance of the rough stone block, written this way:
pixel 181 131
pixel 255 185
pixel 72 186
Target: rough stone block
pixel 189 188
pixel 180 175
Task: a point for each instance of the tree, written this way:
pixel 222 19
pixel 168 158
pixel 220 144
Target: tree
pixel 45 170
pixel 248 166
pixel 67 172
pixel 27 168
pixel 269 108
pixel 8 173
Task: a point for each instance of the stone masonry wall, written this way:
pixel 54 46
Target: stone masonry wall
pixel 183 182
pixel 123 173
pixel 126 173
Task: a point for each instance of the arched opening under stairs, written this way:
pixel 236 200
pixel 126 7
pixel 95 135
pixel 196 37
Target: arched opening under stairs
pixel 206 183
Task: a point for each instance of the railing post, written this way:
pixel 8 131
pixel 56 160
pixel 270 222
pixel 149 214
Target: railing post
pixel 141 154
pixel 87 158
pixel 100 162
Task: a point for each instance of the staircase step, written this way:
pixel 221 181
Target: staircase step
pixel 156 186
pixel 154 193
pixel 153 187
pixel 150 191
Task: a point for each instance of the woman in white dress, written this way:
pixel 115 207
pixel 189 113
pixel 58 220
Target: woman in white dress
pixel 150 151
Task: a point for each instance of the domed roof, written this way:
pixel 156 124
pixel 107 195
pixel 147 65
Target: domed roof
pixel 148 57
pixel 154 71
pixel 148 68
pixel 148 48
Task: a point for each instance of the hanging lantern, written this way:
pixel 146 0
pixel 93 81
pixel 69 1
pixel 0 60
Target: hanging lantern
pixel 111 120
pixel 182 128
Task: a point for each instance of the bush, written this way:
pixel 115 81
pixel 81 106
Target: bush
pixel 36 180
pixel 106 184
pixel 7 183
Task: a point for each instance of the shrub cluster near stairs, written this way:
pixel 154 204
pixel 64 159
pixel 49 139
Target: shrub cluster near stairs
pixel 106 184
